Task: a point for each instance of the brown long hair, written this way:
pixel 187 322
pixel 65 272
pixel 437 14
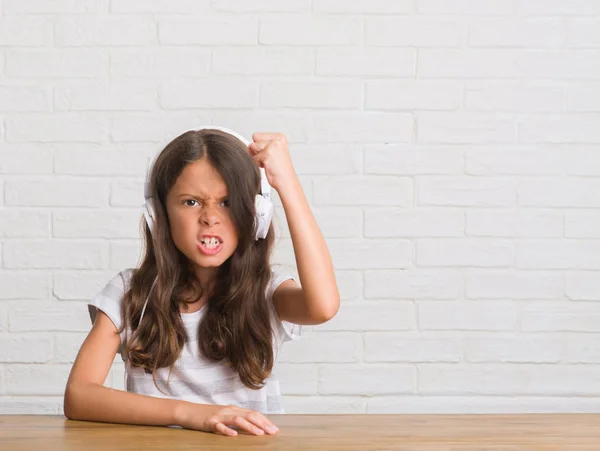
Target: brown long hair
pixel 236 327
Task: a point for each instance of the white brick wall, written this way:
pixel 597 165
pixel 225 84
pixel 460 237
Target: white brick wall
pixel 449 149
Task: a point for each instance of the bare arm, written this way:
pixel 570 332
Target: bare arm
pixel 86 398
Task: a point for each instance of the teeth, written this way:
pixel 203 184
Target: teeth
pixel 211 242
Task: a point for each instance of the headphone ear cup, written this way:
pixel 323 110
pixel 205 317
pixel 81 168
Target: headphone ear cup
pixel 149 214
pixel 263 217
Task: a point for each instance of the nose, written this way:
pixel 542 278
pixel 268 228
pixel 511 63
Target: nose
pixel 210 215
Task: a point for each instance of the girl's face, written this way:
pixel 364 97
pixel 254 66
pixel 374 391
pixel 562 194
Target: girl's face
pixel 201 224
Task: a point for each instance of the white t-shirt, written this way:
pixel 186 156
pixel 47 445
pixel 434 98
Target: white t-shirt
pixel 194 378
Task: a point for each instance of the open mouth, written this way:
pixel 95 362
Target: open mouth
pixel 210 245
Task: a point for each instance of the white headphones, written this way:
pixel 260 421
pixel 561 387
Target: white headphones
pixel 262 202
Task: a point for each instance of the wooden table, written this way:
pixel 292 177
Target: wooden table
pixel 318 432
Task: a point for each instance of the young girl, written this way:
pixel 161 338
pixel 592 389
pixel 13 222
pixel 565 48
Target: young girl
pixel 200 322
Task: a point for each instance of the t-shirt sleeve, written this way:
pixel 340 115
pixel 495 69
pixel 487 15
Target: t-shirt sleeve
pixel 285 330
pixel 108 300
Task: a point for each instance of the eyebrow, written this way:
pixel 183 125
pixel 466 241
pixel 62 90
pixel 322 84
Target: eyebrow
pixel 200 196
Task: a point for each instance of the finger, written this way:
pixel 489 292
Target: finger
pixel 244 424
pixel 224 430
pixel 258 146
pixel 266 136
pixel 262 422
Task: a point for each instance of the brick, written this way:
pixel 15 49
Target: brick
pixel 582 224
pixel 557 7
pixel 69 286
pixel 125 254
pixel 42 317
pixel 413 95
pixel 560 317
pixel 514 349
pixel 44 7
pixel 341 347
pixel 31 405
pixel 59 254
pixel 560 193
pixel 413 160
pixel 161 6
pixel 366 379
pixel 334 222
pixel 309 94
pixel 217 93
pixel 66 346
pixel 335 159
pixel 104 30
pixel 583 286
pixel 57 193
pixel 515 285
pixel 29 159
pixel 518 379
pixel 160 62
pixel 414 31
pixel 363 6
pixel 465 128
pixel 411 348
pixel 25 349
pixel 56 127
pixel 466 63
pixel 319 404
pixel 269 6
pixel 22 98
pixel 127 193
pixel 517 32
pixel 94 159
pixel 583 97
pixel 581 348
pixel 519 98
pixel 583 33
pixel 310 31
pixel 25 379
pixel 387 223
pixel 466 191
pixel 23 285
pixel 96 224
pixel 16 223
pixel 358 253
pixel 295 125
pixel 560 129
pixel 374 315
pixel 369 190
pixel 478 404
pixel 515 162
pixel 154 128
pixel 514 224
pixel 367 128
pixel 59 63
pixel 263 61
pixel 413 284
pixel 470 7
pixel 366 62
pixel 297 379
pixel 558 254
pixel 350 284
pixel 116 96
pixel 470 252
pixel 558 64
pixel 208 30
pixel 467 315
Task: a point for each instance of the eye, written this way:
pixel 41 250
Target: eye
pixel 226 202
pixel 189 200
